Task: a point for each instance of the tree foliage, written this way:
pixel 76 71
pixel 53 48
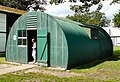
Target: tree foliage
pixel 86 6
pixel 96 18
pixel 23 4
pixel 116 19
pixel 79 8
pixel 116 1
pixel 18 4
pixel 37 5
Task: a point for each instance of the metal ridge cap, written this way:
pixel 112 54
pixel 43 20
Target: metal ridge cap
pixel 89 26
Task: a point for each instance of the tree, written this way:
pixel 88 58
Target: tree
pixel 116 20
pixel 37 5
pixel 95 17
pixel 86 4
pixel 23 4
pixel 18 4
pixel 116 1
pixel 81 8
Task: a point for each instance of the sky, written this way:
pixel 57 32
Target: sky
pixel 63 9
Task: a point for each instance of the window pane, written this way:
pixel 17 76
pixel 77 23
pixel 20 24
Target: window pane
pixel 24 41
pixel 88 31
pixel 2 41
pixel 19 41
pixel 3 23
pixel 19 33
pixel 24 33
pixel 94 34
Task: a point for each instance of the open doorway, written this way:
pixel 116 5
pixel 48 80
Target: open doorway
pixel 31 34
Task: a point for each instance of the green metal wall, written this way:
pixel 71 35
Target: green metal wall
pixel 81 48
pixel 58 45
pixel 69 44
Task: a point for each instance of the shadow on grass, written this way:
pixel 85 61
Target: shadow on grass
pixel 2 54
pixel 114 57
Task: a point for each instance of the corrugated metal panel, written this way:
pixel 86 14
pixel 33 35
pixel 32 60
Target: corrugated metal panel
pixel 106 44
pixel 81 48
pixel 22 55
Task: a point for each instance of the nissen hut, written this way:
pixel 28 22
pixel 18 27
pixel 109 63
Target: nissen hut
pixel 60 42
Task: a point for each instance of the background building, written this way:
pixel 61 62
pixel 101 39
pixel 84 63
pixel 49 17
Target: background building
pixel 7 17
pixel 114 34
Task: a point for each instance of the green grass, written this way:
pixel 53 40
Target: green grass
pixel 105 70
pixel 2 58
pixel 112 62
pixel 108 69
pixel 39 77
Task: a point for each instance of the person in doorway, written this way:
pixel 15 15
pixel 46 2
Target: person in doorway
pixel 34 50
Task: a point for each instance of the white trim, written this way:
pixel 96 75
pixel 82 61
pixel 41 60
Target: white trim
pixel 22 37
pixel 22 45
pixel 31 28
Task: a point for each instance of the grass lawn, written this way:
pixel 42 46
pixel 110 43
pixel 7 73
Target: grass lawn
pixel 2 58
pixel 105 70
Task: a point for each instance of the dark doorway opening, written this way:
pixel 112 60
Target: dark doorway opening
pixel 31 34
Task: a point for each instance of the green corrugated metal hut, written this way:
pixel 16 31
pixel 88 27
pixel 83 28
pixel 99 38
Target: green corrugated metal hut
pixel 60 42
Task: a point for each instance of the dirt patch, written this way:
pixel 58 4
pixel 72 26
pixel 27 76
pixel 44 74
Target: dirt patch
pixel 54 72
pixel 101 74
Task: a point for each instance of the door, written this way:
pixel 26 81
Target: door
pixel 42 47
pixel 30 35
